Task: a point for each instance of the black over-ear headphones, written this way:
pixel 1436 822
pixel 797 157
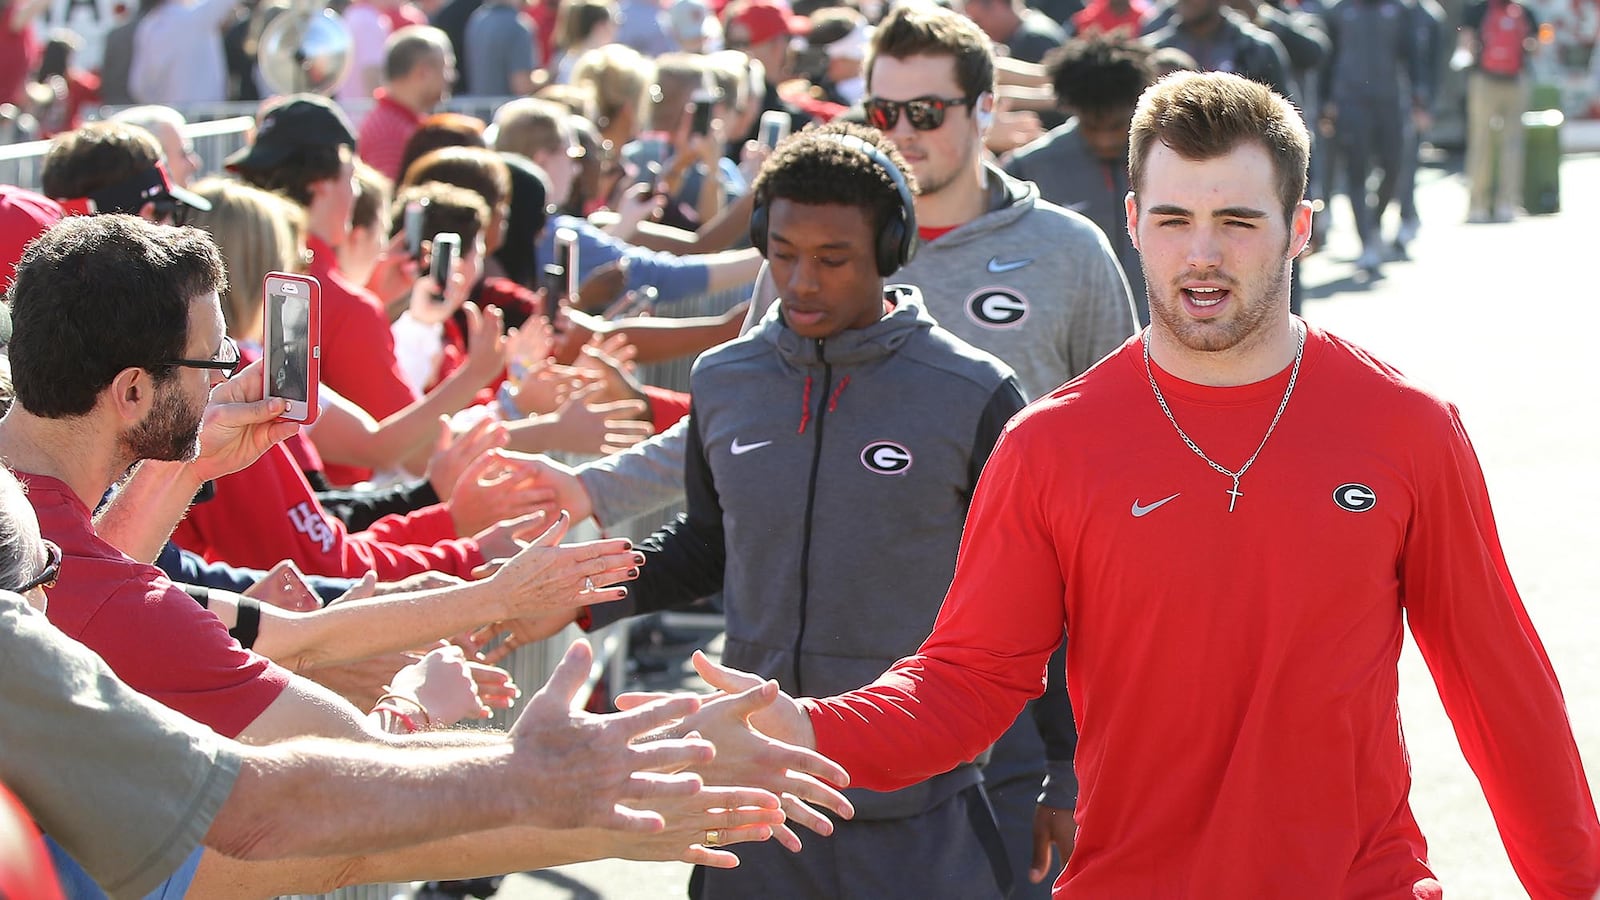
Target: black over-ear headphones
pixel 897 239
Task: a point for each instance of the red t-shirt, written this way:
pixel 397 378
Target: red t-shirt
pixel 1098 16
pixel 267 512
pixel 358 357
pixel 152 634
pixel 1234 675
pixel 19 56
pixel 384 132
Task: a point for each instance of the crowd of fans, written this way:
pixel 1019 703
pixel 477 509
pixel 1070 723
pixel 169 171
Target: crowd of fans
pixel 293 581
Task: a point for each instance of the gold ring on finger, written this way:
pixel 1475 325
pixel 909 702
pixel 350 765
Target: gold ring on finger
pixel 713 837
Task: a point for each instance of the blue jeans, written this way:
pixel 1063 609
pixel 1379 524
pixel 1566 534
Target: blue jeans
pixel 77 885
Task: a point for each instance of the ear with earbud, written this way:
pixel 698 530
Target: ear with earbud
pixel 983 111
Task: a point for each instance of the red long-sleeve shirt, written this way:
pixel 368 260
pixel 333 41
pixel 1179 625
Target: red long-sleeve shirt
pixel 1234 675
pixel 358 357
pixel 267 512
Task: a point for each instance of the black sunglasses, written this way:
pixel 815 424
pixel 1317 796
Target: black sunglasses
pixel 52 569
pixel 227 360
pixel 924 113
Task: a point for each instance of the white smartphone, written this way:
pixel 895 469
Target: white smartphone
pixel 567 259
pixel 292 351
pixel 774 127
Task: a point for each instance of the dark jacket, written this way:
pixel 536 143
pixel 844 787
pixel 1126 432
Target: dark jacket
pixel 827 486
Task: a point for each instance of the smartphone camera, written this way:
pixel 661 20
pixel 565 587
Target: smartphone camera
pixel 415 210
pixel 446 251
pixel 704 107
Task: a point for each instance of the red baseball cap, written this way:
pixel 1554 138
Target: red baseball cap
pixel 758 21
pixel 24 215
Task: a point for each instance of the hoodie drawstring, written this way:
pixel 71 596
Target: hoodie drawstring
pixel 833 402
pixel 805 402
pixel 805 407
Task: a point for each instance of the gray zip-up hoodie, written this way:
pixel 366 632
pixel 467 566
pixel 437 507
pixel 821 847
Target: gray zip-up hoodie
pixel 827 486
pixel 1034 284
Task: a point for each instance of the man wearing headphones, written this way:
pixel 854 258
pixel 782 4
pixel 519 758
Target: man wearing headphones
pixel 832 451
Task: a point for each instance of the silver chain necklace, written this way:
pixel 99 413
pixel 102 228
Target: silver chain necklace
pixel 1294 375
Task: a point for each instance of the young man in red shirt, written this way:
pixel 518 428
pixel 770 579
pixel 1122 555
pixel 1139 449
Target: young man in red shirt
pixel 1237 709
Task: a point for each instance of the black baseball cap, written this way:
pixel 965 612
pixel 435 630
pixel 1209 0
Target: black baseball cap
pixel 298 121
pixel 129 195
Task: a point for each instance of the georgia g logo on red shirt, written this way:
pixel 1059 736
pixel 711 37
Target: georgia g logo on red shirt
pixel 309 522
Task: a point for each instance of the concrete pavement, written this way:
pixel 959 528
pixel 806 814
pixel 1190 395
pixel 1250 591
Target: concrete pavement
pixel 1502 320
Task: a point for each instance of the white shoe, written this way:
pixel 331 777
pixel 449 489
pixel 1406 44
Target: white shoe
pixel 1478 217
pixel 1504 213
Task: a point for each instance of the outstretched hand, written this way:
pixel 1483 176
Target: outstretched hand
pixel 582 770
pixel 763 740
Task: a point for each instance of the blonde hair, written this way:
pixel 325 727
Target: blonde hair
pixel 258 232
pixel 731 69
pixel 619 76
pixel 531 126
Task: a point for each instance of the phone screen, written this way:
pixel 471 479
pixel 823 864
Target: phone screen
pixel 289 342
pixel 413 227
pixel 702 117
pixel 774 128
pixel 446 251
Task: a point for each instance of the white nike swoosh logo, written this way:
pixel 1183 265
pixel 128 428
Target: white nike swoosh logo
pixel 996 267
pixel 1139 511
pixel 741 449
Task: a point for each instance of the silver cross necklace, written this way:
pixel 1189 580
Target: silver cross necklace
pixel 1294 375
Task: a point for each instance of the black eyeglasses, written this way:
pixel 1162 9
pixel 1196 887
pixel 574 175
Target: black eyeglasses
pixel 170 211
pixel 227 360
pixel 52 569
pixel 924 113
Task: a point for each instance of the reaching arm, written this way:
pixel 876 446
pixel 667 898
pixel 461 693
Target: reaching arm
pixel 684 560
pixel 538 580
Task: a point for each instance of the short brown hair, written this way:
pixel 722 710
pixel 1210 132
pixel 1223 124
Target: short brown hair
pixel 446 129
pixel 95 156
pixel 447 208
pixel 1204 115
pixel 474 168
pixel 923 29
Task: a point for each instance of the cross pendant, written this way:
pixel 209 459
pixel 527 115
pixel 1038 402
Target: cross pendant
pixel 1235 494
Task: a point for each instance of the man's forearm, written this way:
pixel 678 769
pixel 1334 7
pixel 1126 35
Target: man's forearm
pixel 730 269
pixel 146 507
pixel 317 797
pixel 357 629
pixel 464 856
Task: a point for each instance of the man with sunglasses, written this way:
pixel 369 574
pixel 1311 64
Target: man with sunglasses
pixel 114 167
pixel 1034 284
